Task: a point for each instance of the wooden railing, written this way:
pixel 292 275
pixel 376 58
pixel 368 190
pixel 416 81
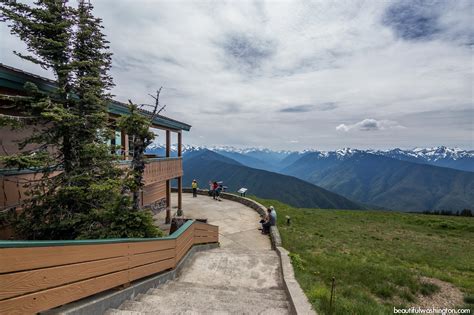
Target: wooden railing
pixel 13 189
pixel 39 275
pixel 161 169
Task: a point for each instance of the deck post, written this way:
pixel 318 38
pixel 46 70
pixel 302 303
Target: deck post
pixel 168 183
pixel 125 147
pixel 168 143
pixel 180 179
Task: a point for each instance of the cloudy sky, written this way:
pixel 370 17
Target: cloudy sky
pixel 296 74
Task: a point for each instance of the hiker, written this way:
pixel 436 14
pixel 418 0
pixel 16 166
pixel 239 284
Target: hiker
pixel 194 186
pixel 210 192
pixel 218 192
pixel 214 190
pixel 270 220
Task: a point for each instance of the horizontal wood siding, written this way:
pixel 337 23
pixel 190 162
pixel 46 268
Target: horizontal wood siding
pixel 18 283
pixel 145 247
pixel 34 279
pixel 44 300
pixel 157 172
pixel 17 259
pixel 184 242
pixel 162 170
pixel 147 258
pixel 146 270
pixel 205 233
pixel 13 190
pixel 154 192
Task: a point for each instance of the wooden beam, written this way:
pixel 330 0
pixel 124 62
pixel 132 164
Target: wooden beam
pixel 180 144
pixel 126 147
pixel 180 179
pixel 168 143
pixel 168 202
pixel 180 195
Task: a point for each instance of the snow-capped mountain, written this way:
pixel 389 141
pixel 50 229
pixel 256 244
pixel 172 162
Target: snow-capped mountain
pixel 439 156
pixel 436 153
pixel 277 160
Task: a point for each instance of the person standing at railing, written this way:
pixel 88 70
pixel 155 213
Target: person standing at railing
pixel 194 186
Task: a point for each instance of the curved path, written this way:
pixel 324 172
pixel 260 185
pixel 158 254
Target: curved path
pixel 243 276
pixel 238 224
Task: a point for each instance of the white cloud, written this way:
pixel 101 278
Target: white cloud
pixel 370 124
pixel 230 67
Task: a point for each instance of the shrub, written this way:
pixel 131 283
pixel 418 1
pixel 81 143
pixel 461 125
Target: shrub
pixel 296 261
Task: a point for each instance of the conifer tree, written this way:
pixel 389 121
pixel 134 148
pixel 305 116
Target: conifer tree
pixel 80 193
pixel 137 126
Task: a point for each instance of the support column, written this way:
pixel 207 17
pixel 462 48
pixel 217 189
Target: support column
pixel 168 182
pixel 180 179
pixel 168 143
pixel 180 196
pixel 125 147
pixel 180 144
pixel 168 202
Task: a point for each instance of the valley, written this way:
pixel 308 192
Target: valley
pixel 401 180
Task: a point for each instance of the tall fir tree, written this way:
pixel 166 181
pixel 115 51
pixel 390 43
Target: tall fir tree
pixel 137 126
pixel 80 193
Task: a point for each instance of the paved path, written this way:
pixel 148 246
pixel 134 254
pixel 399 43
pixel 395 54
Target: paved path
pixel 241 277
pixel 238 224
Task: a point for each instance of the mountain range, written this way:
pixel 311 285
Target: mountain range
pixel 387 182
pixel 205 165
pixel 438 178
pixel 278 160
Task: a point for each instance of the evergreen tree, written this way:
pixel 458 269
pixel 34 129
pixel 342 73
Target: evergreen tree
pixel 137 126
pixel 80 193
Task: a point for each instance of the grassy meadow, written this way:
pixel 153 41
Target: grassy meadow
pixel 376 257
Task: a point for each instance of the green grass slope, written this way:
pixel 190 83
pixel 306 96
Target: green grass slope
pixel 377 257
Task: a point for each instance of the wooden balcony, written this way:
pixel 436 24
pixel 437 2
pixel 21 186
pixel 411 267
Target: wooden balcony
pixel 157 171
pixel 161 169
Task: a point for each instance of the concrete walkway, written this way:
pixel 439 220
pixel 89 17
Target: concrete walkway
pixel 238 224
pixel 243 276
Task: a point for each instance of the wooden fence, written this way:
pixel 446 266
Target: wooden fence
pixel 40 275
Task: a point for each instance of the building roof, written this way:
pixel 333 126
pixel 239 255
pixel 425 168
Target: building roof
pixel 15 79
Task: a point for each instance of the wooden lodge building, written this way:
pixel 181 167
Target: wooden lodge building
pixel 159 171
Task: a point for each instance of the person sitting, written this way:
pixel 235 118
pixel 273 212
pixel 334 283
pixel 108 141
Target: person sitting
pixel 273 213
pixel 263 219
pixel 270 220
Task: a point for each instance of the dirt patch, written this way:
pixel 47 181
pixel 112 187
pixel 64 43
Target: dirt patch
pixel 448 295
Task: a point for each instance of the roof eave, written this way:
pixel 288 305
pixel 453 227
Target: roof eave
pixel 15 79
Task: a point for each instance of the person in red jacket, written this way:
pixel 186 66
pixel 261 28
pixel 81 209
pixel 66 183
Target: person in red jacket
pixel 214 190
